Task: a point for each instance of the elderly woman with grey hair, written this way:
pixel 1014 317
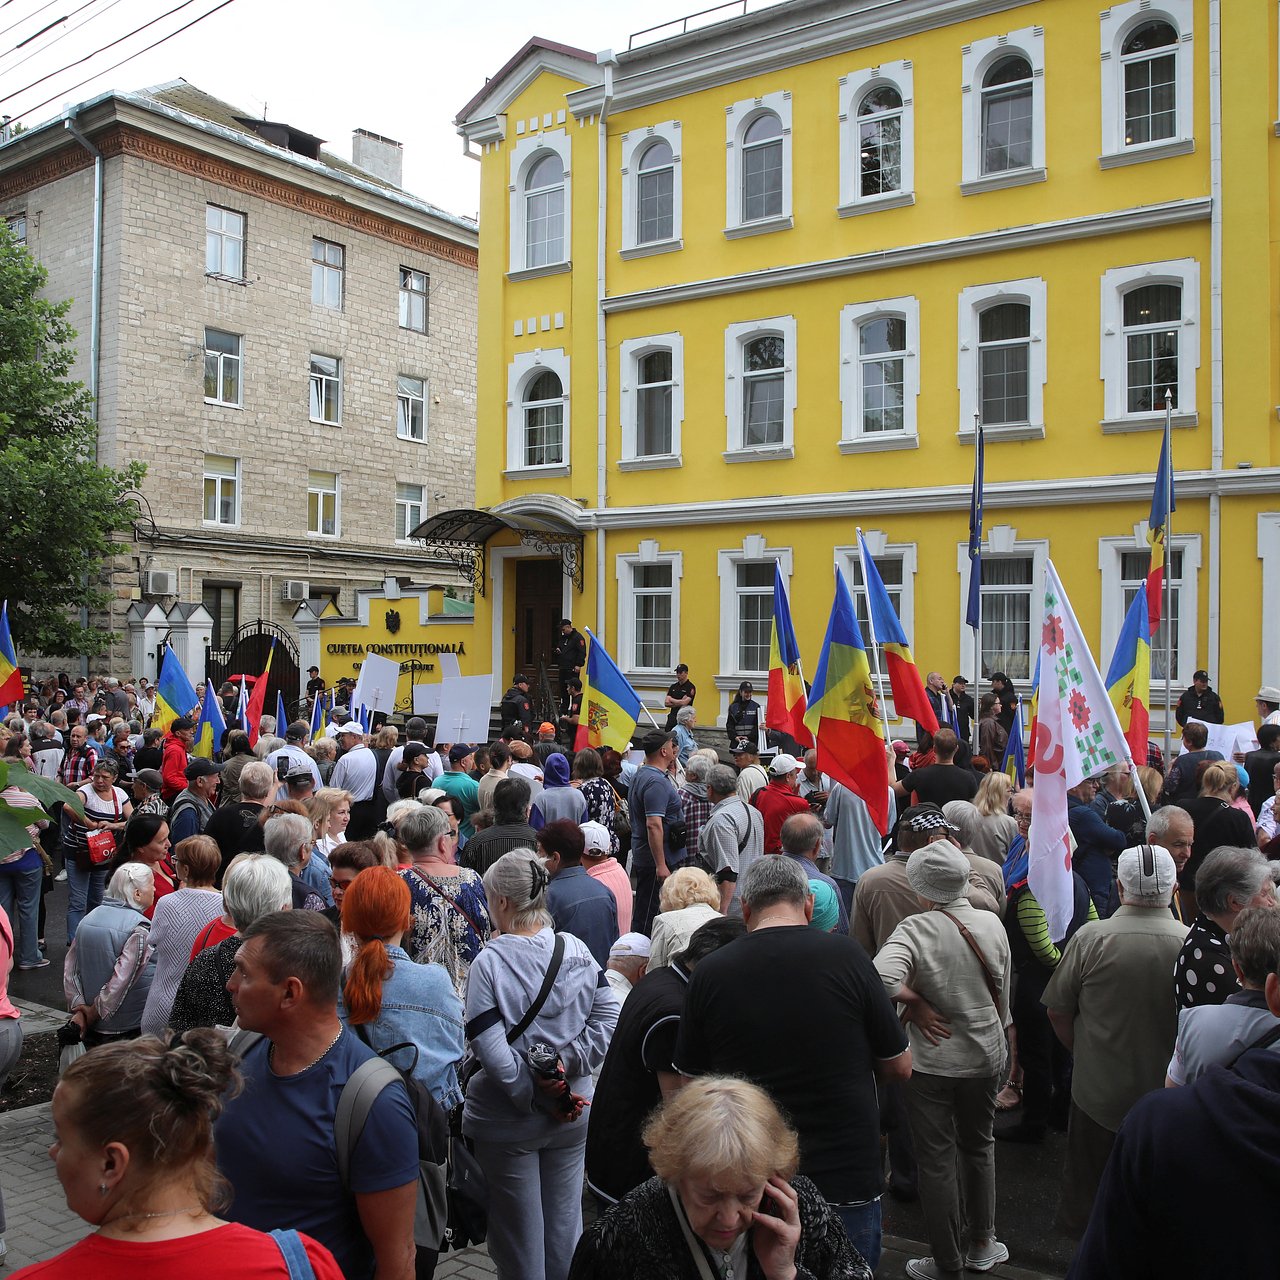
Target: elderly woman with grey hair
pixel 686 743
pixel 287 838
pixel 1229 880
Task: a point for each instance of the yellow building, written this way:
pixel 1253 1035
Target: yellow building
pixel 746 288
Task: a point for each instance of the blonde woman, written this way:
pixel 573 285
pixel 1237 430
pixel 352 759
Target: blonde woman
pixel 688 900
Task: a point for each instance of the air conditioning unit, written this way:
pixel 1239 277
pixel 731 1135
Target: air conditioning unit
pixel 295 589
pixel 159 582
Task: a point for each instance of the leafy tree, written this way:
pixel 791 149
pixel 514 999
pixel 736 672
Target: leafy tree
pixel 58 507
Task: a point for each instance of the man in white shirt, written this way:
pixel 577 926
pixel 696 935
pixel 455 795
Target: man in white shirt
pixel 357 772
pixel 295 738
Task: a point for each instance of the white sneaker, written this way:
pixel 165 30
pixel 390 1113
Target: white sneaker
pixel 62 875
pixel 989 1255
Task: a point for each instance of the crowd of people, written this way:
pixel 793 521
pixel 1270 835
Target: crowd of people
pixel 703 989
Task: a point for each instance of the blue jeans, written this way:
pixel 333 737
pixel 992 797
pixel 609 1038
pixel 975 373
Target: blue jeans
pixel 84 892
pixel 20 898
pixel 861 1224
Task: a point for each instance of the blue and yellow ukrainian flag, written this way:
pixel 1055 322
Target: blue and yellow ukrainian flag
pixel 175 694
pixel 610 706
pixel 11 686
pixel 211 726
pixel 1015 755
pixel 318 722
pixel 1129 676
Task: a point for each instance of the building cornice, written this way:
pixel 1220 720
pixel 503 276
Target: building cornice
pixel 1003 239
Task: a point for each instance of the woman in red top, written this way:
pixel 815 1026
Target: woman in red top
pixel 146 840
pixel 133 1146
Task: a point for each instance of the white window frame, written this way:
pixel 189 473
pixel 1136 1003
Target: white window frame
pixel 736 337
pixel 314 377
pixel 221 478
pixel 880 548
pixel 223 236
pixel 753 550
pixel 336 492
pixel 1269 554
pixel 1116 24
pixel 17 224
pixel 852 437
pixel 407 398
pixel 523 369
pixel 853 88
pixel 634 144
pixel 975 300
pixel 326 270
pixel 976 60
pixel 649 552
pixel 524 155
pixel 1117 282
pixel 424 293
pixel 1002 542
pixel 224 358
pixel 1186 660
pixel 409 505
pixel 632 351
pixel 739 117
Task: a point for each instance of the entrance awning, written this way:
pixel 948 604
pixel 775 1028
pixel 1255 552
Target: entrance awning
pixel 460 536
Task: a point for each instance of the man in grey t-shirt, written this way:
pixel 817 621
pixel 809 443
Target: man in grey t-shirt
pixel 655 805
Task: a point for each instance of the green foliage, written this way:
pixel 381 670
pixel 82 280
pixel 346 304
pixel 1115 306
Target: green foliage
pixel 58 507
pixel 14 820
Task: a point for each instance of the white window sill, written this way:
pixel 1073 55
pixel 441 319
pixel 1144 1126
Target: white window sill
pixel 218 524
pixel 328 537
pixel 729 682
pixel 648 250
pixel 880 442
pixel 222 404
pixel 999 181
pixel 760 228
pixel 422 333
pixel 536 273
pixel 760 453
pixel 324 422
pixel 873 204
pixel 1018 431
pixel 214 275
pixel 534 473
pixel 651 677
pixel 1147 422
pixel 411 439
pixel 652 462
pixel 1148 151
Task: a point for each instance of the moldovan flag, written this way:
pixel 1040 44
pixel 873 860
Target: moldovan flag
pixel 257 700
pixel 1077 736
pixel 1162 503
pixel 175 694
pixel 1129 677
pixel 610 706
pixel 211 725
pixel 785 707
pixel 842 712
pixel 11 688
pixel 909 697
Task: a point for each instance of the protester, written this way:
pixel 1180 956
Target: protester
pixel 175 753
pixel 778 800
pixel 235 827
pixel 941 780
pixel 22 874
pixel 801 840
pixel 731 838
pixel 689 899
pixel 456 781
pixel 1215 820
pixel 627 964
pixel 992 831
pixel 602 866
pixel 510 828
pixel 192 808
pixel 579 903
pixel 287 838
pixel 106 808
pixel 855 840
pixel 146 840
pixel 10 1032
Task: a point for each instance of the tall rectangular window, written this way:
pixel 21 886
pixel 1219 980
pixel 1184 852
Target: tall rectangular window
pixel 1152 318
pixel 1004 363
pixel 763 379
pixel 322 504
pixel 222 601
pixel 653 403
pixel 409 509
pixel 890 570
pixel 651 590
pixel 755 614
pixel 221 489
pixel 223 242
pixel 222 368
pixel 1006 615
pixel 413 299
pixel 327 263
pixel 326 390
pixel 1134 567
pixel 18 227
pixel 411 408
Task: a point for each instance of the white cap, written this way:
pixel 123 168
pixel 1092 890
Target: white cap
pixel 596 835
pixel 351 726
pixel 783 764
pixel 630 944
pixel 1147 872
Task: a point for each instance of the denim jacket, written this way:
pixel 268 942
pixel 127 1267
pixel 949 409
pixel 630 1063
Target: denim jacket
pixel 420 1006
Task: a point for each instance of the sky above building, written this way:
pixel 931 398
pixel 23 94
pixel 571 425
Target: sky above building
pixel 401 68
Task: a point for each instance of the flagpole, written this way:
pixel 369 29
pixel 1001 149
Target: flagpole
pixel 977 631
pixel 1168 578
pixel 875 646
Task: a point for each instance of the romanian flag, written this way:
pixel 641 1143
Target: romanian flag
pixel 785 708
pixel 610 706
pixel 11 688
pixel 842 712
pixel 257 699
pixel 1162 503
pixel 175 694
pixel 1129 677
pixel 211 726
pixel 909 697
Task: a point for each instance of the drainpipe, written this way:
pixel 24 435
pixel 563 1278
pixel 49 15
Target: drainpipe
pixel 608 61
pixel 1215 327
pixel 95 311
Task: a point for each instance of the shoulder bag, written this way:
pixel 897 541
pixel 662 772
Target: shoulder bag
pixel 992 988
pixel 452 901
pixel 102 844
pixel 1264 1041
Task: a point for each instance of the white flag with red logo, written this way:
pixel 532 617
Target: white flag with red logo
pixel 1077 736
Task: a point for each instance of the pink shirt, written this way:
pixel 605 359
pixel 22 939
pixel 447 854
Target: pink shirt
pixel 7 1009
pixel 611 874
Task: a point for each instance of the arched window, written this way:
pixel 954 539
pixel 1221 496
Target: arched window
pixel 880 141
pixel 763 361
pixel 655 194
pixel 1004 362
pixel 654 383
pixel 542 413
pixel 882 347
pixel 1152 316
pixel 544 212
pixel 1007 115
pixel 1150 60
pixel 762 168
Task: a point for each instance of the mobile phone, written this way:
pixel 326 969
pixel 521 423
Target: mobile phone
pixel 282 768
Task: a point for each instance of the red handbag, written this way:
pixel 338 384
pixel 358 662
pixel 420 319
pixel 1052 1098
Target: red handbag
pixel 102 844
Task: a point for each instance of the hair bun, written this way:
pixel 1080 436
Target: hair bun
pixel 196 1069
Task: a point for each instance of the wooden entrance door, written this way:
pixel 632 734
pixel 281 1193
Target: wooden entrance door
pixel 539 604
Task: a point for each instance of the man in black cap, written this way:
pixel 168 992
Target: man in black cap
pixel 963 703
pixel 415 730
pixel 515 710
pixel 570 650
pixel 192 808
pixel 1199 702
pixel 680 694
pixel 315 684
pixel 146 794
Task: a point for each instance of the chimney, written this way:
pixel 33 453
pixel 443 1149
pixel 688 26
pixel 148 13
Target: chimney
pixel 382 157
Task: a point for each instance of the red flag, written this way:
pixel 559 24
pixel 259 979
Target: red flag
pixel 253 712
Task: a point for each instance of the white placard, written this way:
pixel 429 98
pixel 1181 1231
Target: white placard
pixel 376 684
pixel 426 699
pixel 449 665
pixel 1229 739
pixel 465 703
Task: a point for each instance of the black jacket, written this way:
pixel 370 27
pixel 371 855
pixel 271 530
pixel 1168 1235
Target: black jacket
pixel 1206 706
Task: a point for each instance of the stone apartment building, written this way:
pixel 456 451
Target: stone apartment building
pixel 285 338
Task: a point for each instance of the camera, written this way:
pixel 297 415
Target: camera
pixel 282 767
pixel 544 1062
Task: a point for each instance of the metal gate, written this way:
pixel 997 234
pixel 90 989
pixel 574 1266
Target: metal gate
pixel 247 655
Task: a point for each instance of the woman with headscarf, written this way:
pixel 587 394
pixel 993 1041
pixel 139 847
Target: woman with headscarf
pixel 557 799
